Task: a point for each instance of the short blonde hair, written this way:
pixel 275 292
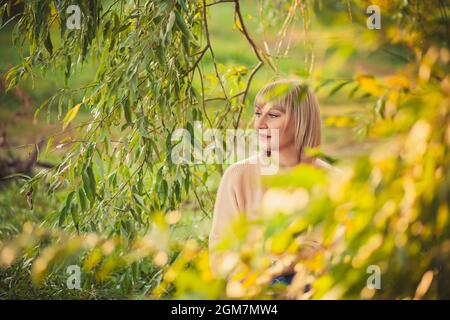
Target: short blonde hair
pixel 298 101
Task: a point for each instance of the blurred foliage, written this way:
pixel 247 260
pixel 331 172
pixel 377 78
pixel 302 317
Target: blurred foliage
pixel 123 199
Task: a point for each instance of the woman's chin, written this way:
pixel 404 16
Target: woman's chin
pixel 264 147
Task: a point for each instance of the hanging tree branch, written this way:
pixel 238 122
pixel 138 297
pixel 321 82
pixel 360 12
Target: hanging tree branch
pixel 244 31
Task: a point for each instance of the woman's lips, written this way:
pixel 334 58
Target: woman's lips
pixel 264 136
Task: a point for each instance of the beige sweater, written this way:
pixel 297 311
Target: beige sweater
pixel 240 192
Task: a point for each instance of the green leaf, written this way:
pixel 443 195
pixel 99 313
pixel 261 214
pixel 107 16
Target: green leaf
pixel 82 199
pixel 66 208
pixel 127 111
pixel 170 22
pixel 162 190
pixel 75 217
pixel 302 176
pixel 92 183
pixel 278 91
pixel 182 24
pixel 87 187
pixel 62 216
pixel 48 44
pixel 183 6
pixel 68 67
pixel 339 87
pixel 16 175
pixel 139 200
pixel 177 191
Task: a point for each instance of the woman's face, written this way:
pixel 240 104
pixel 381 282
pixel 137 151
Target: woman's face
pixel 268 120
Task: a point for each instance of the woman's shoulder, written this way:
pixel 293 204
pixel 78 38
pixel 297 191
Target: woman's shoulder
pixel 242 166
pixel 237 170
pixel 252 165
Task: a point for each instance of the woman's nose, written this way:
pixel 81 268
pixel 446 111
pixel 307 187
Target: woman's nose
pixel 261 123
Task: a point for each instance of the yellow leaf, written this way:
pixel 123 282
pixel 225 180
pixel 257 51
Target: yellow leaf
pixel 238 24
pixel 71 114
pixel 397 81
pixel 424 284
pixel 49 144
pixel 370 85
pixel 93 259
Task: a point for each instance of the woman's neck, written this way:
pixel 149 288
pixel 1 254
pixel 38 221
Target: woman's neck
pixel 288 157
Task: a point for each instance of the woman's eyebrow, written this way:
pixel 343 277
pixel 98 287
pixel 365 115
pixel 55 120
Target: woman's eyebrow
pixel 269 108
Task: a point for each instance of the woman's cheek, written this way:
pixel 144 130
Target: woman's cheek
pixel 276 124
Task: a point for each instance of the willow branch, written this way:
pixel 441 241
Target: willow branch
pixel 244 31
pixel 203 96
pixel 247 88
pixel 209 46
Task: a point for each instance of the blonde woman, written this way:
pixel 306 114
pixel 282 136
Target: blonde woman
pixel 289 108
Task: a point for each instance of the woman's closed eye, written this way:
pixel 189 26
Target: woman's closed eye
pixel 271 115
